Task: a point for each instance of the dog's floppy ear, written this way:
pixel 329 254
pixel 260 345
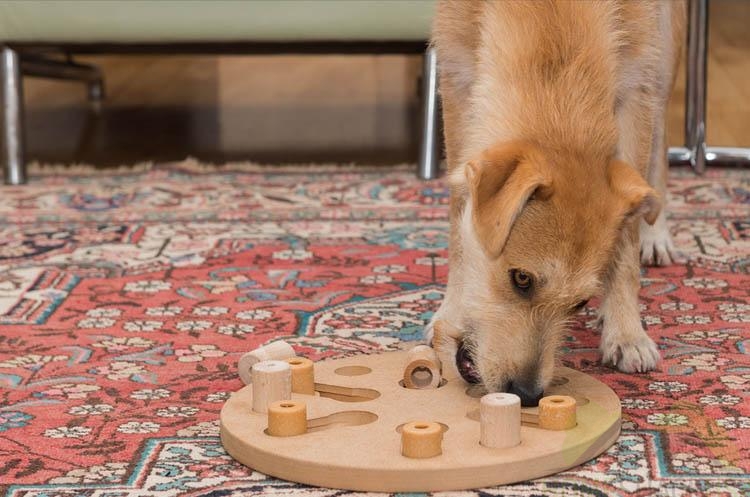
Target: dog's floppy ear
pixel 500 182
pixel 640 199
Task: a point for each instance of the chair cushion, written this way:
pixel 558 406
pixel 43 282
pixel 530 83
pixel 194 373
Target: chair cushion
pixel 164 21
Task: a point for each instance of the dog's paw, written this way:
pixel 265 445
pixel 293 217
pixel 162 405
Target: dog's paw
pixel 657 248
pixel 636 355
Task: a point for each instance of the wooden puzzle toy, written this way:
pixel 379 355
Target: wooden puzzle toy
pixel 363 429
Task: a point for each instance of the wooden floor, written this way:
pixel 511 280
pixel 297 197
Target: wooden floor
pixel 304 108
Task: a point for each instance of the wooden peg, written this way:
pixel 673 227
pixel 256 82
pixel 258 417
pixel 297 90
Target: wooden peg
pixel 303 375
pixel 423 368
pixel 421 439
pixel 272 381
pixel 500 420
pixel 278 351
pixel 557 412
pixel 287 418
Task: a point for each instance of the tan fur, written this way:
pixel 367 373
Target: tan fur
pixel 554 115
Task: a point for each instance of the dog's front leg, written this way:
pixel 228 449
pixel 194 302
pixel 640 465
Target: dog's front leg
pixel 657 248
pixel 624 342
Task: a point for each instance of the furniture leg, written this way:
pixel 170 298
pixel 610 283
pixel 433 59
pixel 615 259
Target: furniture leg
pixel 12 141
pixel 428 156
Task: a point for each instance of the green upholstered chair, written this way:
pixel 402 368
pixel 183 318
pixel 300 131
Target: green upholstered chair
pixel 253 26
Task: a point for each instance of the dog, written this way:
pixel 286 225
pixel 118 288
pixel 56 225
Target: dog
pixel 554 122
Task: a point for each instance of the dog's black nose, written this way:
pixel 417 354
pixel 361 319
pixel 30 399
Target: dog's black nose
pixel 529 394
pixel 465 365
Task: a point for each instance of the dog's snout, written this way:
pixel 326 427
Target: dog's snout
pixel 530 394
pixel 466 366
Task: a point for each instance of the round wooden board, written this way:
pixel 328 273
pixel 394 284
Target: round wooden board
pixel 353 440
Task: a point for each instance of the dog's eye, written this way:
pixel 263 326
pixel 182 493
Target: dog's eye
pixel 522 280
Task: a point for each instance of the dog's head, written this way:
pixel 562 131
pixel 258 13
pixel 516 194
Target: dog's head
pixel 537 236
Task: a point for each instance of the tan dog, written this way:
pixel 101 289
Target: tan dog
pixel 554 114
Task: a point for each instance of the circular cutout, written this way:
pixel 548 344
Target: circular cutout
pixel 353 370
pixel 580 400
pixel 558 381
pixel 442 383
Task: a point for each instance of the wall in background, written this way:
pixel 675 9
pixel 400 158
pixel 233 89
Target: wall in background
pixel 305 108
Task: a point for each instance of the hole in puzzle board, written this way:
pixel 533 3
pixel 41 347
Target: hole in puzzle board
pixel 442 383
pixel 400 427
pixel 353 370
pixel 344 418
pixel 346 394
pixel 558 381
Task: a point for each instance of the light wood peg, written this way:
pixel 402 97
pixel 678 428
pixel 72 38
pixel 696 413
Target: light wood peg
pixel 557 412
pixel 272 381
pixel 287 418
pixel 274 351
pixel 421 439
pixel 500 420
pixel 423 368
pixel 303 375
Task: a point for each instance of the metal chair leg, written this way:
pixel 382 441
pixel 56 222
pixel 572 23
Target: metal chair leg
pixel 13 162
pixel 428 155
pixel 695 92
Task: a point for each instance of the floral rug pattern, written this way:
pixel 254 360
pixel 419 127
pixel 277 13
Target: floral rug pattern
pixel 127 297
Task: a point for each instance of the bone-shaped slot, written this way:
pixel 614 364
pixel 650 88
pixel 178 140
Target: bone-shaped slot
pixel 346 394
pixel 292 422
pixel 344 418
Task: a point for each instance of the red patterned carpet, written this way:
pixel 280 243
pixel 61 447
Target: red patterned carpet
pixel 127 297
